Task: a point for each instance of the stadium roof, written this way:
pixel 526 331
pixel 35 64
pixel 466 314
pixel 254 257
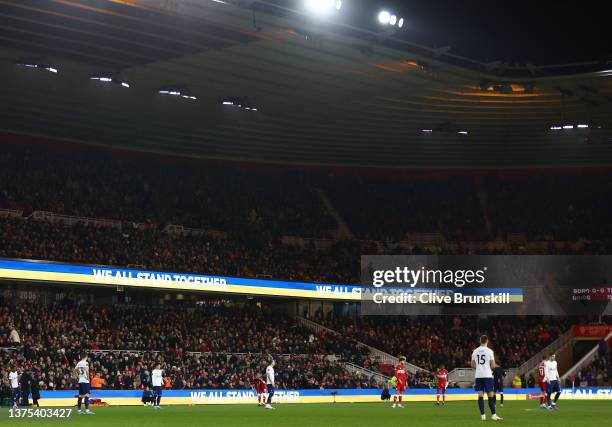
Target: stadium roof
pixel 323 93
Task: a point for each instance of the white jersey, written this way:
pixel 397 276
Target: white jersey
pixel 270 375
pixel 550 370
pixel 482 356
pixel 157 377
pixel 82 369
pixel 14 379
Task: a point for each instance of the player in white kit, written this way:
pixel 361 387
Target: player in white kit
pixel 15 392
pixel 270 383
pixel 157 378
pixel 551 377
pixel 483 361
pixel 82 370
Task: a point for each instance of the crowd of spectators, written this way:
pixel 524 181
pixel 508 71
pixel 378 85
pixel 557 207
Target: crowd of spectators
pixel 599 371
pixel 161 191
pixel 432 341
pixel 155 249
pixel 265 202
pixel 213 346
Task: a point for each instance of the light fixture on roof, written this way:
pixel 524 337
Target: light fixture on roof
pixel 323 7
pixel 427 130
pixel 107 78
pixel 556 128
pixel 384 17
pixel 38 65
pixel 463 132
pixel 387 18
pixel 568 126
pixel 582 126
pixel 239 103
pixel 178 92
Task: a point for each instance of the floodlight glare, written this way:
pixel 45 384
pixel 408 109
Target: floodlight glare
pixel 400 23
pixel 384 17
pixel 392 19
pixel 321 7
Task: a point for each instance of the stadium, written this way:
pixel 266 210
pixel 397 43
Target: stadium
pixel 317 212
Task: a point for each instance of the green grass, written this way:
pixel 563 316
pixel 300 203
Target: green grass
pixel 454 414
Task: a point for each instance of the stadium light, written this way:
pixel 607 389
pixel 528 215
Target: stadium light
pixel 556 128
pixel 583 126
pixel 176 92
pixel 239 103
pixel 384 17
pixel 101 78
pixel 323 7
pixel 387 18
pixel 110 79
pixel 568 127
pixel 427 130
pixel 46 67
pixel 463 132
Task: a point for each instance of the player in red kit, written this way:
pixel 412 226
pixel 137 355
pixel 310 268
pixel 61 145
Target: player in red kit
pixel 401 376
pixel 441 384
pixel 260 387
pixel 541 382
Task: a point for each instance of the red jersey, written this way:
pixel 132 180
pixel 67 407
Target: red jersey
pixel 541 371
pixel 400 374
pixel 442 376
pixel 260 385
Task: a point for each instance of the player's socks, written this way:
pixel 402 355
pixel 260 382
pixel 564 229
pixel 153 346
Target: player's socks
pixel 79 403
pixel 481 405
pixel 492 404
pixel 86 403
pixel 557 397
pixel 502 399
pixel 548 398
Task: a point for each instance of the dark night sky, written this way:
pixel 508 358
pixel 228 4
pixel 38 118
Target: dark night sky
pixel 537 31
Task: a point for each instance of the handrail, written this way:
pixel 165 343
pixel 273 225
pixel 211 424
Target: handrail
pixel 587 358
pixel 378 354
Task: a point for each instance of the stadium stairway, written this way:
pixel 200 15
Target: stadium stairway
pixel 561 345
pixel 353 368
pixel 343 231
pixel 374 353
pixel 584 361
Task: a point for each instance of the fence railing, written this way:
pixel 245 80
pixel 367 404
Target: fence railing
pixel 353 368
pixel 566 338
pixel 585 360
pixel 376 354
pixel 463 376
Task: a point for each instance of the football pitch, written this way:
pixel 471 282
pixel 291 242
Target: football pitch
pixel 455 414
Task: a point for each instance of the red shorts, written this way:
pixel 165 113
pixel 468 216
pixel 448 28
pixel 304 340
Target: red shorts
pixel 260 390
pixel 441 386
pixel 400 387
pixel 542 385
